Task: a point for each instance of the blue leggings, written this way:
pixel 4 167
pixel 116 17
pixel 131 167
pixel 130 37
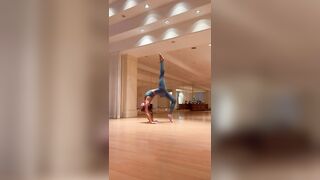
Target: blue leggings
pixel 162 90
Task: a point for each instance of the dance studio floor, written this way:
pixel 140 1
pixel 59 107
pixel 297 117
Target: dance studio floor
pixel 163 151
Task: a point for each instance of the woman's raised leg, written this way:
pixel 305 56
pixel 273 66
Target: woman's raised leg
pixel 162 84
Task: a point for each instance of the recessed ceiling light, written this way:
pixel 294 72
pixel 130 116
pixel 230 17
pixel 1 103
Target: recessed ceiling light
pixel 146 6
pixel 209 44
pixel 198 11
pixel 167 21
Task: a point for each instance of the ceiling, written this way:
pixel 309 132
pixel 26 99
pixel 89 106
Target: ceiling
pixel 266 38
pixel 170 27
pixel 192 66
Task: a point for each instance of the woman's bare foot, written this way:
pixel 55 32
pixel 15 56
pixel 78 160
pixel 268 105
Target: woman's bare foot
pixel 152 122
pixel 170 118
pixel 161 57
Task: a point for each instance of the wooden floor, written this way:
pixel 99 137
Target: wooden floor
pixel 163 151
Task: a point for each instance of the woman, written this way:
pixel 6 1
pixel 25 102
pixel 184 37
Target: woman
pixel 162 92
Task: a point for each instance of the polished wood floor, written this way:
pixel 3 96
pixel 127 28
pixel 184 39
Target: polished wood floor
pixel 163 151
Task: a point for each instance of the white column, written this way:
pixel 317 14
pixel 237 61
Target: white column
pixel 129 85
pixel 114 84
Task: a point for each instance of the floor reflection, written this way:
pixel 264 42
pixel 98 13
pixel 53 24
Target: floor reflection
pixel 181 150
